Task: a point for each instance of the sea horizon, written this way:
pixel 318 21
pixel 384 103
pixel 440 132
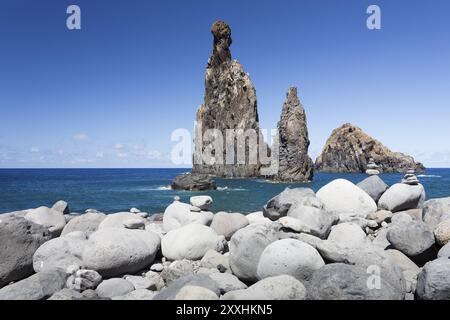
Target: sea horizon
pixel 113 190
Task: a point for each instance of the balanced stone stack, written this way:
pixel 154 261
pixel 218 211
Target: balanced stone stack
pixel 372 168
pixel 410 178
pixel 294 162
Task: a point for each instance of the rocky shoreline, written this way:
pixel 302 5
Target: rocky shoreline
pixel 367 241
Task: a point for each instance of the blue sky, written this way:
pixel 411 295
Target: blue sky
pixel 110 95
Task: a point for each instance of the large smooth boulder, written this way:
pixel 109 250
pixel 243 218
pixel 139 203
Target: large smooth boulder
pixel 117 251
pixel 374 187
pixel 19 240
pixel 343 197
pixel 37 287
pixel 227 224
pixel 365 255
pixel 279 206
pixel 179 214
pixel 202 202
pixel 338 281
pixel 87 222
pixel 282 287
pixel 190 242
pixel 114 287
pixel 291 257
pixel 51 219
pixel 257 217
pixel 246 247
pixel 435 211
pixel 347 234
pixel 413 238
pixel 61 253
pixel 316 221
pixel 402 197
pixel 442 232
pixel 199 280
pixel 434 280
pixel 195 293
pixel 119 219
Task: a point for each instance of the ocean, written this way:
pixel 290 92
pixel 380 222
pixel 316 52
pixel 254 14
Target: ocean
pixel 114 190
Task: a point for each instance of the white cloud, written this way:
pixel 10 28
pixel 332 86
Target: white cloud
pixel 122 155
pixel 34 149
pixel 99 155
pixel 153 155
pixel 80 137
pixel 118 146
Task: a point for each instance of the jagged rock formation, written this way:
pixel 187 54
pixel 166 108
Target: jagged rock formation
pixel 229 103
pixel 349 149
pixel 294 162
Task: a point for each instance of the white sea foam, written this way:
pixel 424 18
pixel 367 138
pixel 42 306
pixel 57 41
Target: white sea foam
pixel 161 188
pixel 230 189
pixel 428 176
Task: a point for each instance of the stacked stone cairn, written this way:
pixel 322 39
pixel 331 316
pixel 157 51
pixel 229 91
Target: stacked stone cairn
pixel 410 178
pixel 372 168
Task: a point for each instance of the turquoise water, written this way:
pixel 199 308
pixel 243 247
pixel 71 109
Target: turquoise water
pixel 113 190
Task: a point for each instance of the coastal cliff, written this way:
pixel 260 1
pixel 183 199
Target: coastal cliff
pixel 349 149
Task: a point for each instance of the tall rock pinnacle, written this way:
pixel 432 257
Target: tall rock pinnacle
pixel 294 162
pixel 229 103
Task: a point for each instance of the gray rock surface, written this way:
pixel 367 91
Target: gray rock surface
pixel 442 232
pixel 61 206
pixel 179 214
pixel 190 292
pixel 246 247
pixel 338 281
pixel 434 280
pixel 444 251
pixel 227 224
pixel 401 197
pixel 200 280
pixel 294 162
pixel 349 149
pixel 193 182
pixel 114 287
pixel 60 253
pixel 230 102
pixel 19 239
pixel 291 257
pixel 436 211
pixel 279 205
pixel 412 239
pixel 340 196
pixel 49 218
pixel 191 242
pixel 202 202
pixel 374 187
pixel 87 222
pixel 283 287
pixel 66 294
pixel 316 221
pixel 117 251
pixel 227 282
pixel 37 287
